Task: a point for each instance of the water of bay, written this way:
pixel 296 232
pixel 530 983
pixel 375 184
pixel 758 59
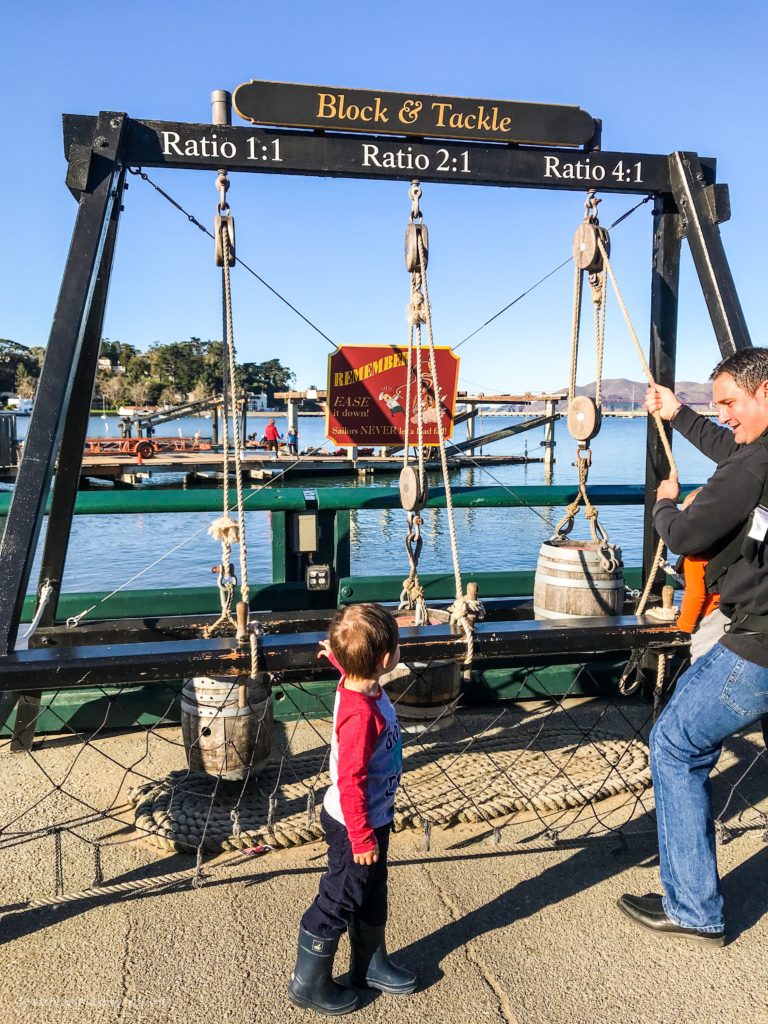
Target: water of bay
pixel 174 550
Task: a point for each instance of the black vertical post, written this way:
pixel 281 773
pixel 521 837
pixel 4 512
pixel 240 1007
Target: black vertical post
pixel 667 236
pixel 25 516
pixel 76 430
pixel 702 207
pixel 68 472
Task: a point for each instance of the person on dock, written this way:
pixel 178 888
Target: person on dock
pixel 272 436
pixel 726 690
pixel 292 440
pixel 358 808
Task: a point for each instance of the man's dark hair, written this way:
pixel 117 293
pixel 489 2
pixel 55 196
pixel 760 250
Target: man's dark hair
pixel 361 636
pixel 749 368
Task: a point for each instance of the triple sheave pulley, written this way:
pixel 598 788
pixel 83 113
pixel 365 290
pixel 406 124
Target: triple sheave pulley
pixel 591 246
pixel 414 489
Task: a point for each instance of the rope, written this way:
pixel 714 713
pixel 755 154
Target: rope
pixel 442 788
pixel 46 593
pixel 113 889
pixel 578 286
pixel 659 556
pixel 440 431
pixel 229 349
pixel 598 303
pixel 643 361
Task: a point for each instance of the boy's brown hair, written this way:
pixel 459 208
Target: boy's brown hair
pixel 361 636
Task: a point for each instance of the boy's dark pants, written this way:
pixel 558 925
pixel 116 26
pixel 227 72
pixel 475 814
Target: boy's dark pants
pixel 348 889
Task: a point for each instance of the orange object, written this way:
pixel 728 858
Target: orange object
pixel 697 603
pixel 139 460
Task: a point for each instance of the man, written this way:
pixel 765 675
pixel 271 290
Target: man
pixel 727 689
pixel 272 436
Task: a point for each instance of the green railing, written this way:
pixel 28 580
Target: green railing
pixel 332 506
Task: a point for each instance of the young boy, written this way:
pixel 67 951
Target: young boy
pixel 366 764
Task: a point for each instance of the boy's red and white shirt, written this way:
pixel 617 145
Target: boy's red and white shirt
pixel 366 763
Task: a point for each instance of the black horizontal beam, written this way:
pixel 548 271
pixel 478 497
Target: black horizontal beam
pixel 138 663
pixel 282 151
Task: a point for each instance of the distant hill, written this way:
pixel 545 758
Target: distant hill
pixel 622 395
pixel 619 393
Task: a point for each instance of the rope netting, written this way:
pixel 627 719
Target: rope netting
pixel 546 767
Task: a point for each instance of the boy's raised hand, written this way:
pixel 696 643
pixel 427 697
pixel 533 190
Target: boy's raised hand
pixel 325 649
pixel 368 858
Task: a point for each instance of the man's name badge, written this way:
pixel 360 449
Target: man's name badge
pixel 759 527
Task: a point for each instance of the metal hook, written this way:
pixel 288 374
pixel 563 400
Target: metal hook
pixel 222 184
pixel 591 204
pixel 414 193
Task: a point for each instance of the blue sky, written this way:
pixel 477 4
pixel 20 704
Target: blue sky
pixel 662 76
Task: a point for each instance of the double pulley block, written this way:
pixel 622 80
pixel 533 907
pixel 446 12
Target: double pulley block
pixel 584 419
pixel 414 231
pixel 584 416
pixel 414 491
pixel 586 248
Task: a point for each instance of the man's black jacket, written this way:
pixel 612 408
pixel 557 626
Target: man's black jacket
pixel 716 516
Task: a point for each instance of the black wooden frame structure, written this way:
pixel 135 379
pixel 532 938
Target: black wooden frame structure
pixel 688 203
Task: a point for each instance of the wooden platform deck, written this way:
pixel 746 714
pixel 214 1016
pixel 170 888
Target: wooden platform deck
pixel 260 467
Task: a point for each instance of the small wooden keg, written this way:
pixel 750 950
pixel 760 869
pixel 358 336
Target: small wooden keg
pixel 421 691
pixel 220 737
pixel 571 581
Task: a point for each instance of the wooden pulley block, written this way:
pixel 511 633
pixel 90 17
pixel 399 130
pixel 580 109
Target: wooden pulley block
pixel 586 254
pixel 583 418
pixel 412 497
pixel 230 223
pixel 412 232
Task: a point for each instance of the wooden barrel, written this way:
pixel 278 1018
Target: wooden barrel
pixel 571 581
pixel 423 692
pixel 220 737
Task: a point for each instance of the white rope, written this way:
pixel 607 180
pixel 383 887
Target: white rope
pixel 46 592
pixel 229 346
pixel 643 361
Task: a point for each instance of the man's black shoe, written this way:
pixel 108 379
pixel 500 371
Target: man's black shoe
pixel 648 912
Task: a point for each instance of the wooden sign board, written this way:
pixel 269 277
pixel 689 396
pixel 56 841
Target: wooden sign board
pixel 399 113
pixel 283 151
pixel 367 395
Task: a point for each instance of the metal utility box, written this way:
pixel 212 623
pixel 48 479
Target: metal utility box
pixel 304 533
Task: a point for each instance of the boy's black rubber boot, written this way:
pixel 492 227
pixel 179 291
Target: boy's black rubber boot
pixel 312 985
pixel 370 966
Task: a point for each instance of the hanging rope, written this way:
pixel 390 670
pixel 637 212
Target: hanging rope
pixel 226 529
pixel 466 608
pixel 659 555
pixel 583 413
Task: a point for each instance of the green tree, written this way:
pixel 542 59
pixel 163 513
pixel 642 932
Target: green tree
pixel 15 357
pixel 270 376
pixel 179 364
pixel 118 352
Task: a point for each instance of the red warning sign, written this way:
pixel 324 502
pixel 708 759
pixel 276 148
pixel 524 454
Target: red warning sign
pixel 368 394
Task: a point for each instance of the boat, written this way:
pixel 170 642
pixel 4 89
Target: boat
pixel 22 406
pixel 137 410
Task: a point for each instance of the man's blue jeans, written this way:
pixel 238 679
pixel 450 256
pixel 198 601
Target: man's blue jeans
pixel 719 695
